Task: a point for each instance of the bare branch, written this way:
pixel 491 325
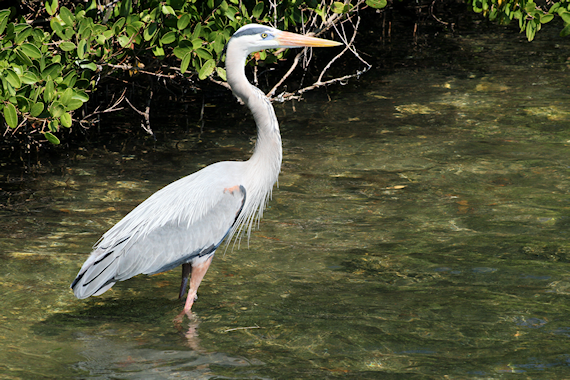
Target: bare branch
pixel 146 114
pixel 330 21
pixel 113 108
pixel 243 328
pixel 223 84
pixel 295 63
pixel 138 69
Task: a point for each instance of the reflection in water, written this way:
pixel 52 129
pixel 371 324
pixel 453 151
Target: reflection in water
pixel 420 230
pixel 190 332
pixel 110 358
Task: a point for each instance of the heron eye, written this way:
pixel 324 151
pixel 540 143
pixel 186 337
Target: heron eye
pixel 263 35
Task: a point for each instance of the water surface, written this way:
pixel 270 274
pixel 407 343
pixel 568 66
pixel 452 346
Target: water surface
pixel 420 230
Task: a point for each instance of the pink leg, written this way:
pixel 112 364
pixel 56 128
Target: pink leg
pixel 198 273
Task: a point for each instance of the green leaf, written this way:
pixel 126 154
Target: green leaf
pixel 37 109
pixel 13 78
pixel 49 91
pixel 108 34
pixel 51 138
pixel 82 48
pixel 124 41
pixel 56 27
pixel 566 31
pixel 23 103
pixel 150 31
pixel 196 43
pixel 80 95
pixel 87 65
pixel 70 79
pixel 51 7
pixel 544 18
pixel 257 10
pixel 67 46
pixel 66 96
pixel 218 44
pixel 167 10
pixel 31 50
pixel 181 52
pixel 53 125
pixel 66 16
pixel 8 88
pixel 73 104
pixel 158 51
pixel 554 7
pixel 222 73
pixel 565 16
pixel 56 109
pixel 378 4
pixel 133 27
pixel 207 69
pixel 231 13
pixel 29 78
pixel 183 21
pixel 118 25
pixel 168 38
pixel 51 71
pixel 86 33
pixel 530 31
pixel 24 59
pixel 197 31
pixel 87 28
pixel 337 7
pixel 125 8
pixel 4 19
pixel 203 53
pixel 185 62
pixel 65 119
pixel 11 115
pixel 23 34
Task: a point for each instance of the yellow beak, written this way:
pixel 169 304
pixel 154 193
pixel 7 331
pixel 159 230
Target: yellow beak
pixel 297 40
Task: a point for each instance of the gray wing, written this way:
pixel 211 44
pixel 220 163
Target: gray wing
pixel 188 231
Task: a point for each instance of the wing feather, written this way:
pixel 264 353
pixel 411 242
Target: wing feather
pixel 181 222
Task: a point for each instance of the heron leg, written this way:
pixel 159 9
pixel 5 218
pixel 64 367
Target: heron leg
pixel 186 268
pixel 198 273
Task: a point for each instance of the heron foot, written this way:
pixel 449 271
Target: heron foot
pixel 198 273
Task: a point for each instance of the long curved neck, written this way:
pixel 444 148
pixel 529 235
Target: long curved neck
pixel 268 150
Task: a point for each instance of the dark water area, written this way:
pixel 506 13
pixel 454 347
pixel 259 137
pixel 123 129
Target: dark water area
pixel 419 231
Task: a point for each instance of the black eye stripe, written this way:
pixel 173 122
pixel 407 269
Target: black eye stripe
pixel 250 31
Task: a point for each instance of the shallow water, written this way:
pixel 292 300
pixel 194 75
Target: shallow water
pixel 420 230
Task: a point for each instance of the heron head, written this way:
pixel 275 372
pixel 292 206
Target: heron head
pixel 255 37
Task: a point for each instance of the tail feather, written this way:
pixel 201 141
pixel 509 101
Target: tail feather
pixel 96 276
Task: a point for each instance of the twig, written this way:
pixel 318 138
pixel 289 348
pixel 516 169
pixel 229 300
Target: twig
pixel 284 96
pixel 331 21
pixel 295 63
pixel 223 84
pixel 451 24
pixel 138 69
pixel 115 107
pixel 202 114
pixel 146 124
pixel 243 328
pixel 349 45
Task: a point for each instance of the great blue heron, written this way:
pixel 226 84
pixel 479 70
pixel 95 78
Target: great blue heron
pixel 185 222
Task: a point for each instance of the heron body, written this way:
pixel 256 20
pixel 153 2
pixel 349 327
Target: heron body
pixel 185 222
